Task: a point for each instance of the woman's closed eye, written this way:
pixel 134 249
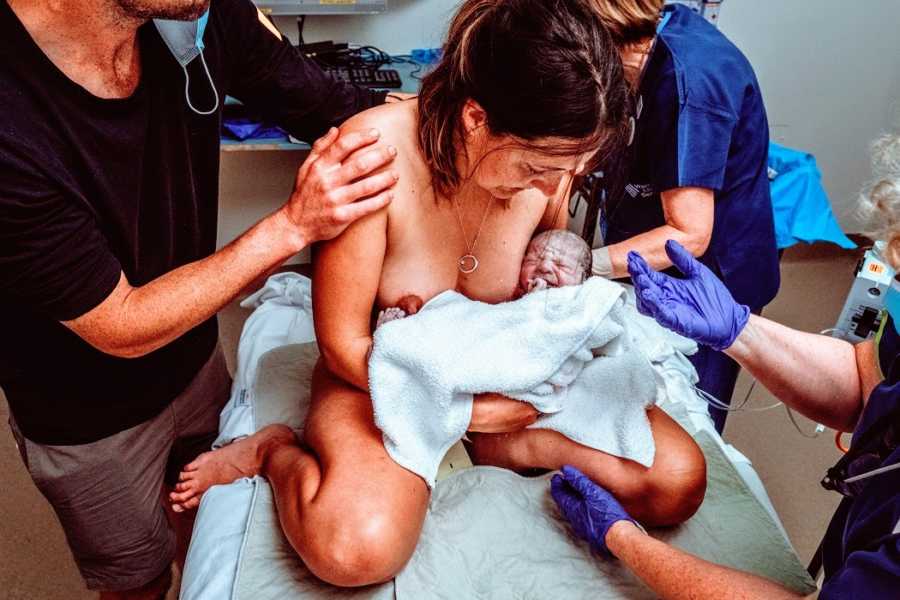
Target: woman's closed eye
pixel 532 170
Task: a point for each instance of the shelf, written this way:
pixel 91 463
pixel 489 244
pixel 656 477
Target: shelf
pixel 410 86
pixel 283 143
pixel 277 8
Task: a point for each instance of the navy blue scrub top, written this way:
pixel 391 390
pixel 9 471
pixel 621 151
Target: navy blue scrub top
pixel 703 124
pixel 861 553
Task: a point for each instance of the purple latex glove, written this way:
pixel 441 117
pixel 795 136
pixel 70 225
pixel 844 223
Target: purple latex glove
pixel 698 307
pixel 589 508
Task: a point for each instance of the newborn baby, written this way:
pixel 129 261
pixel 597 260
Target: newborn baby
pixel 554 258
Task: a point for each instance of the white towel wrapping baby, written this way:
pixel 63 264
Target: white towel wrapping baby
pixel 567 351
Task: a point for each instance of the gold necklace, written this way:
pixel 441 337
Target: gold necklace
pixel 467 263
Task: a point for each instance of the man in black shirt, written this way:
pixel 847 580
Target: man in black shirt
pixel 109 278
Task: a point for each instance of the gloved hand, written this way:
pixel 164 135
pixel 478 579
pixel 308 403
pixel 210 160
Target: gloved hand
pixel 698 307
pixel 589 508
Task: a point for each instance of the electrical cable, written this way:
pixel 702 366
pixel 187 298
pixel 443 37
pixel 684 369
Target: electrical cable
pixel 838 443
pixel 357 56
pixel 407 59
pixel 716 403
pixel 793 419
pixel 301 21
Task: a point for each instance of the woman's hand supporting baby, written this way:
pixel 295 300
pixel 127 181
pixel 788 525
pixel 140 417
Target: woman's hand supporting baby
pixel 493 413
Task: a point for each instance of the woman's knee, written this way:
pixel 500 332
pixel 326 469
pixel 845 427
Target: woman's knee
pixel 356 550
pixel 675 486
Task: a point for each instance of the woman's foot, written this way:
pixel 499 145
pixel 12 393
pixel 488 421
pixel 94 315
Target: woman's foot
pixel 243 458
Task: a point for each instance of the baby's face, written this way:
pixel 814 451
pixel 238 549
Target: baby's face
pixel 552 262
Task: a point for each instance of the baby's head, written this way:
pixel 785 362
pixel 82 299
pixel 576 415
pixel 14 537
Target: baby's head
pixel 555 258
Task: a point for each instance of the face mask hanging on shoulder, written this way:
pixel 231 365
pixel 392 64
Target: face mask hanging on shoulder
pixel 185 41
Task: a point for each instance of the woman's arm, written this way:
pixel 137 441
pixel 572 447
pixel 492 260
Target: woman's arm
pixel 676 575
pixel 596 516
pixel 689 216
pixel 820 376
pixel 346 274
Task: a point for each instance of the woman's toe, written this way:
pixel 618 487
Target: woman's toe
pixel 182 497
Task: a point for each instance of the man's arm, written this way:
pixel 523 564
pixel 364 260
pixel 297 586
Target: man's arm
pixel 270 76
pixel 677 575
pixel 689 216
pixel 133 321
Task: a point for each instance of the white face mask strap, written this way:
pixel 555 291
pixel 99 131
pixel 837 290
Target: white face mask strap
pixel 187 92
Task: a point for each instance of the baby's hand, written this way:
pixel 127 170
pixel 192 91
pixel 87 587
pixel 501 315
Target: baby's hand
pixel 536 285
pixel 389 314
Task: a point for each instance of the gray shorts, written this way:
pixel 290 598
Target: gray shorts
pixel 108 494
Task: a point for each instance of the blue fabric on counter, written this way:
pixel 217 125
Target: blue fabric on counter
pixel 800 203
pixel 249 129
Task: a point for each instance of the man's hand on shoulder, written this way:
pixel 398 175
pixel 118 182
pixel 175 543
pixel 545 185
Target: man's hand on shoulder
pixel 344 178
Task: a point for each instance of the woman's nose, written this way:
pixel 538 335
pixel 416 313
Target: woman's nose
pixel 547 184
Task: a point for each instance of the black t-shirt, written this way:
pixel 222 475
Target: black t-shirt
pixel 91 188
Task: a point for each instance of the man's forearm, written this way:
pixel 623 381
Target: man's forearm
pixel 815 374
pixel 677 575
pixel 159 312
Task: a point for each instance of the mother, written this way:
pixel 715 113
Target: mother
pixel 528 93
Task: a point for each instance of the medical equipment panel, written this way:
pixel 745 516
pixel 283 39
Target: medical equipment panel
pixel 861 315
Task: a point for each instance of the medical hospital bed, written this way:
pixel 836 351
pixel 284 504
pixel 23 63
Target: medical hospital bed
pixel 489 533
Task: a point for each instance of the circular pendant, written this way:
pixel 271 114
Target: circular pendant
pixel 632 128
pixel 467 264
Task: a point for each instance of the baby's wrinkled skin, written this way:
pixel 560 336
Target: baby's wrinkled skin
pixel 554 258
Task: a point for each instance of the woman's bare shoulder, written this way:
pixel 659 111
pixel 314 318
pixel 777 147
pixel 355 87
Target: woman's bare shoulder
pixel 396 122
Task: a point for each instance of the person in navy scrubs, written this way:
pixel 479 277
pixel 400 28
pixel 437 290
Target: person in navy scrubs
pixel 850 388
pixel 696 169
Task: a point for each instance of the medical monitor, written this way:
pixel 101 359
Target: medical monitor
pixel 321 7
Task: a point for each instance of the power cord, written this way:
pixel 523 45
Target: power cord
pixel 301 21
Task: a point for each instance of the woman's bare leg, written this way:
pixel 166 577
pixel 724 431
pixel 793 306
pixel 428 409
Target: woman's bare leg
pixel 667 493
pixel 355 515
pixel 351 513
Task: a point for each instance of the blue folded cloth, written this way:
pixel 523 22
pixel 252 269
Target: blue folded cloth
pixel 250 129
pixel 800 203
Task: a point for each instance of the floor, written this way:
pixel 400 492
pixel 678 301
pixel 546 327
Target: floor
pixel 35 562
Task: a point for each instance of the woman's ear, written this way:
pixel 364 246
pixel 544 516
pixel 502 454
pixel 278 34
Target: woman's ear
pixel 473 118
